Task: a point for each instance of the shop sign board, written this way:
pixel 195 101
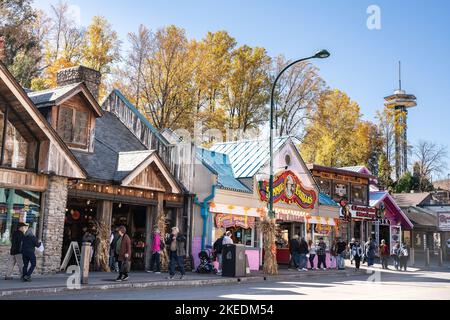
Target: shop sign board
pixel 444 221
pixel 231 220
pixel 363 212
pixel 287 188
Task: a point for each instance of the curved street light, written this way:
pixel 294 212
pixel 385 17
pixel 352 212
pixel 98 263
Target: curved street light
pixel 322 54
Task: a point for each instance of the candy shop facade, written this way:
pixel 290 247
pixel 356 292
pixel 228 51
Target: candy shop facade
pixel 232 195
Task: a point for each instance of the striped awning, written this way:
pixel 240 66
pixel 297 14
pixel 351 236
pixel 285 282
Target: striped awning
pixel 322 220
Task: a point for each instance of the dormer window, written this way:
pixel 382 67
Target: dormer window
pixel 73 126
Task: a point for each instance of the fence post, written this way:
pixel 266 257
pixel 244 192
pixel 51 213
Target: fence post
pixel 413 260
pixel 427 257
pixel 440 257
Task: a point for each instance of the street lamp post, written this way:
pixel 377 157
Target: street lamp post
pixel 319 55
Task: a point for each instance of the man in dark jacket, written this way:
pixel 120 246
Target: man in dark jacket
pixel 303 251
pixel 123 254
pixel 16 251
pixel 341 250
pixel 29 245
pixel 218 246
pixel 294 248
pixel 176 246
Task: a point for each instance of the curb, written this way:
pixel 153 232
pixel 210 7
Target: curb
pixel 168 284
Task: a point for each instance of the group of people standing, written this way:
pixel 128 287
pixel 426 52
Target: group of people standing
pixel 368 254
pixel 302 250
pixel 22 252
pixel 120 252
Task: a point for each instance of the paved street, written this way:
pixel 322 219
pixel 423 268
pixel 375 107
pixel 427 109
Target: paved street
pixel 378 285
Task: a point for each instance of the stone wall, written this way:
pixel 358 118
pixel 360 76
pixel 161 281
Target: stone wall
pixel 54 212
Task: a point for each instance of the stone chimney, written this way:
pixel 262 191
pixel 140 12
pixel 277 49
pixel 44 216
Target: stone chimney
pixel 90 77
pixel 2 50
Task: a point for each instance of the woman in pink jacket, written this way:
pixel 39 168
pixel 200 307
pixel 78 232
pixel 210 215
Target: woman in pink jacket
pixel 156 252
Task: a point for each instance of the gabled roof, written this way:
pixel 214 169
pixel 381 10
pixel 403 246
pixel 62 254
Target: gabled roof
pixel 24 108
pixel 118 155
pixel 111 138
pixel 378 196
pixel 420 216
pixel 411 199
pixel 135 168
pixel 56 96
pixel 248 156
pixel 219 164
pixel 342 171
pixel 358 169
pixel 143 120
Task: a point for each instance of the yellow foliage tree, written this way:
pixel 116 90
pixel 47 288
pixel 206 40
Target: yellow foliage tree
pixel 337 136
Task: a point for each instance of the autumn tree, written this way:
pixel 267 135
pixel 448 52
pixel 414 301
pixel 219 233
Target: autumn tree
pixel 337 136
pixel 430 161
pixel 212 58
pixel 246 92
pixel 21 27
pixel 62 46
pixel 296 96
pixel 166 84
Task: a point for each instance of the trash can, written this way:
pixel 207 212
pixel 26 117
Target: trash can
pixel 233 260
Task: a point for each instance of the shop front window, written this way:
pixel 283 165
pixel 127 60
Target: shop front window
pixel 17 205
pixel 325 186
pixel 241 236
pixel 340 191
pixel 18 148
pixel 359 194
pixel 322 231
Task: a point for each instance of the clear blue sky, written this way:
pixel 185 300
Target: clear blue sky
pixel 363 61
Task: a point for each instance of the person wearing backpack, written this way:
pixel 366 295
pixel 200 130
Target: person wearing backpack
pixel 403 256
pixel 217 247
pixel 157 247
pixel 370 248
pixel 357 253
pixel 394 254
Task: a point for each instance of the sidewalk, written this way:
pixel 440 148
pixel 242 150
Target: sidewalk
pixel 103 281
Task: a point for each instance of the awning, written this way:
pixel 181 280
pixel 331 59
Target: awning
pixel 237 210
pixel 322 220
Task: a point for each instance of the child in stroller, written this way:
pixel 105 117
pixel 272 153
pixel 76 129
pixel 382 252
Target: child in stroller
pixel 206 262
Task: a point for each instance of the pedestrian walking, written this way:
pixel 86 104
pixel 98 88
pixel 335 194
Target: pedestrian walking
pixel 218 247
pixel 357 253
pixel 341 251
pixel 321 254
pixel 16 252
pixel 157 247
pixel 384 254
pixel 403 256
pixel 88 237
pixel 29 245
pixel 294 249
pixel 113 263
pixel 394 255
pixel 303 251
pixel 369 251
pixel 312 253
pixel 176 245
pixel 123 254
pixel 350 247
pixel 333 253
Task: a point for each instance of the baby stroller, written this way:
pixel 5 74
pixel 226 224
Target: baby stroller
pixel 206 262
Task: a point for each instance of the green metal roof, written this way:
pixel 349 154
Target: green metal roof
pixel 248 156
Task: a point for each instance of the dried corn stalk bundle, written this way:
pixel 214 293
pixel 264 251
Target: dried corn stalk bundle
pixel 161 223
pixel 102 247
pixel 267 227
